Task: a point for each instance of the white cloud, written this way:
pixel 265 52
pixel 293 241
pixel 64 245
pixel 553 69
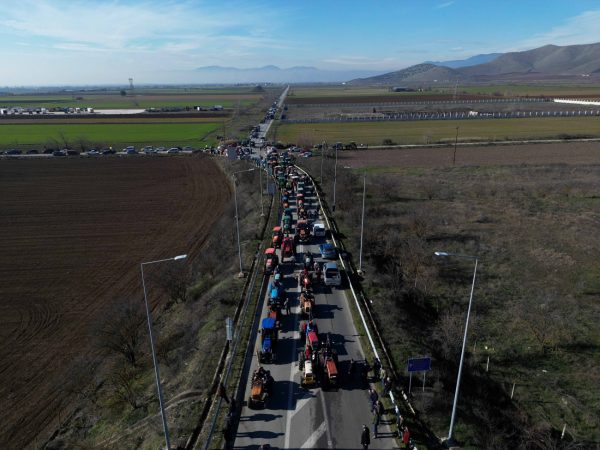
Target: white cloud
pixel 444 5
pixel 121 26
pixel 581 29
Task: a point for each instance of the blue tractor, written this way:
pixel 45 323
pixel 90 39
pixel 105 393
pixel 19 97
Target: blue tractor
pixel 268 341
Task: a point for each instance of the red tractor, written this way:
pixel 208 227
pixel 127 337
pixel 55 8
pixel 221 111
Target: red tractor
pixel 271 260
pixel 303 231
pixel 287 248
pixel 277 237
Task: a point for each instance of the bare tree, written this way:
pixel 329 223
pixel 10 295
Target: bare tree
pixel 125 386
pixel 448 332
pixel 546 320
pixel 175 281
pixel 121 332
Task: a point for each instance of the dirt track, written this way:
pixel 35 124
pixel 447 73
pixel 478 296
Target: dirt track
pixel 74 232
pixel 535 154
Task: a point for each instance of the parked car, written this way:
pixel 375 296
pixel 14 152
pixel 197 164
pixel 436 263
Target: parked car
pixel 72 152
pixel 33 152
pixel 331 274
pixel 328 251
pixel 12 151
pixel 59 153
pixel 131 151
pixel 173 150
pixel 108 151
pixel 93 152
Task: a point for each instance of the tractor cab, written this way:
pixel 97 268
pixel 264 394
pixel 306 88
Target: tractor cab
pixel 303 231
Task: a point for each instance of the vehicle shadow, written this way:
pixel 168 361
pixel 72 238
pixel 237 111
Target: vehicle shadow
pixel 259 435
pixel 260 417
pixel 279 401
pixel 352 381
pixel 339 343
pixel 325 311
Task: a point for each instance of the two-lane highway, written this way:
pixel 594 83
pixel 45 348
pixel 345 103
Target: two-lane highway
pixel 296 417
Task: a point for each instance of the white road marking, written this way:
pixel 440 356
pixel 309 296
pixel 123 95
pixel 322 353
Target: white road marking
pixel 329 441
pixel 312 440
pixel 290 413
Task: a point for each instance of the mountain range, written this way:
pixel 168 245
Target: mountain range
pixel 274 74
pixel 473 60
pixel 543 63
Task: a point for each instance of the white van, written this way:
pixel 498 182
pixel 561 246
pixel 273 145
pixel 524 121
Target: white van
pixel 318 229
pixel 331 274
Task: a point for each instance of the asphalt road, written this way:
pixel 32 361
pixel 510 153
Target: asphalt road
pixel 296 417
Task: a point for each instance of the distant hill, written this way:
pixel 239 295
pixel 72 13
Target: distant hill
pixel 274 74
pixel 547 62
pixel 473 60
pixel 419 73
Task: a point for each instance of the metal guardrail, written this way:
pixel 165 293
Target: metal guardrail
pixel 453 115
pixel 428 102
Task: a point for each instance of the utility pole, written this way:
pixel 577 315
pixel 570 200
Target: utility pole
pixel 334 177
pixel 455 143
pixel 362 225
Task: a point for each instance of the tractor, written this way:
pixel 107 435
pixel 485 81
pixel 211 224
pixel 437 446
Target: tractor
pixel 261 388
pixel 276 237
pixel 271 260
pixel 287 248
pixel 266 353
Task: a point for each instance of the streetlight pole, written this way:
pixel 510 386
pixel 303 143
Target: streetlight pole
pixel 152 346
pixel 464 344
pixel 455 142
pixel 323 147
pixel 362 224
pixel 237 219
pixel 334 177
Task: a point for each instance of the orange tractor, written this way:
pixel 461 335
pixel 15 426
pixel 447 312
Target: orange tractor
pixel 277 237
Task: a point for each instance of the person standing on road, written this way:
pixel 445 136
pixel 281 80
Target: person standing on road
pixel 375 424
pixel 286 304
pixel 365 438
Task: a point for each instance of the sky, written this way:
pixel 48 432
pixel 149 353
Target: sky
pixel 87 42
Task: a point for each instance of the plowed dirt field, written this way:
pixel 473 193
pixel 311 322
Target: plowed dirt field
pixel 73 234
pixel 535 154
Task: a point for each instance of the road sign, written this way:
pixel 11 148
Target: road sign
pixel 419 364
pixel 229 328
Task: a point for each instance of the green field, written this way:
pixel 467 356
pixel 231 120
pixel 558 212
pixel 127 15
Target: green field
pixel 165 134
pixel 423 132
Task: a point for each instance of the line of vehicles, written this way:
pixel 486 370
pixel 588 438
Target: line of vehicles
pixel 129 150
pixel 318 360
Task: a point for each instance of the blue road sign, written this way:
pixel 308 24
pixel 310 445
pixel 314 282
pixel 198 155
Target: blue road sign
pixel 419 364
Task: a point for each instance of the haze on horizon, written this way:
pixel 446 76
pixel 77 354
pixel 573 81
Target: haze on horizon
pixel 75 42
